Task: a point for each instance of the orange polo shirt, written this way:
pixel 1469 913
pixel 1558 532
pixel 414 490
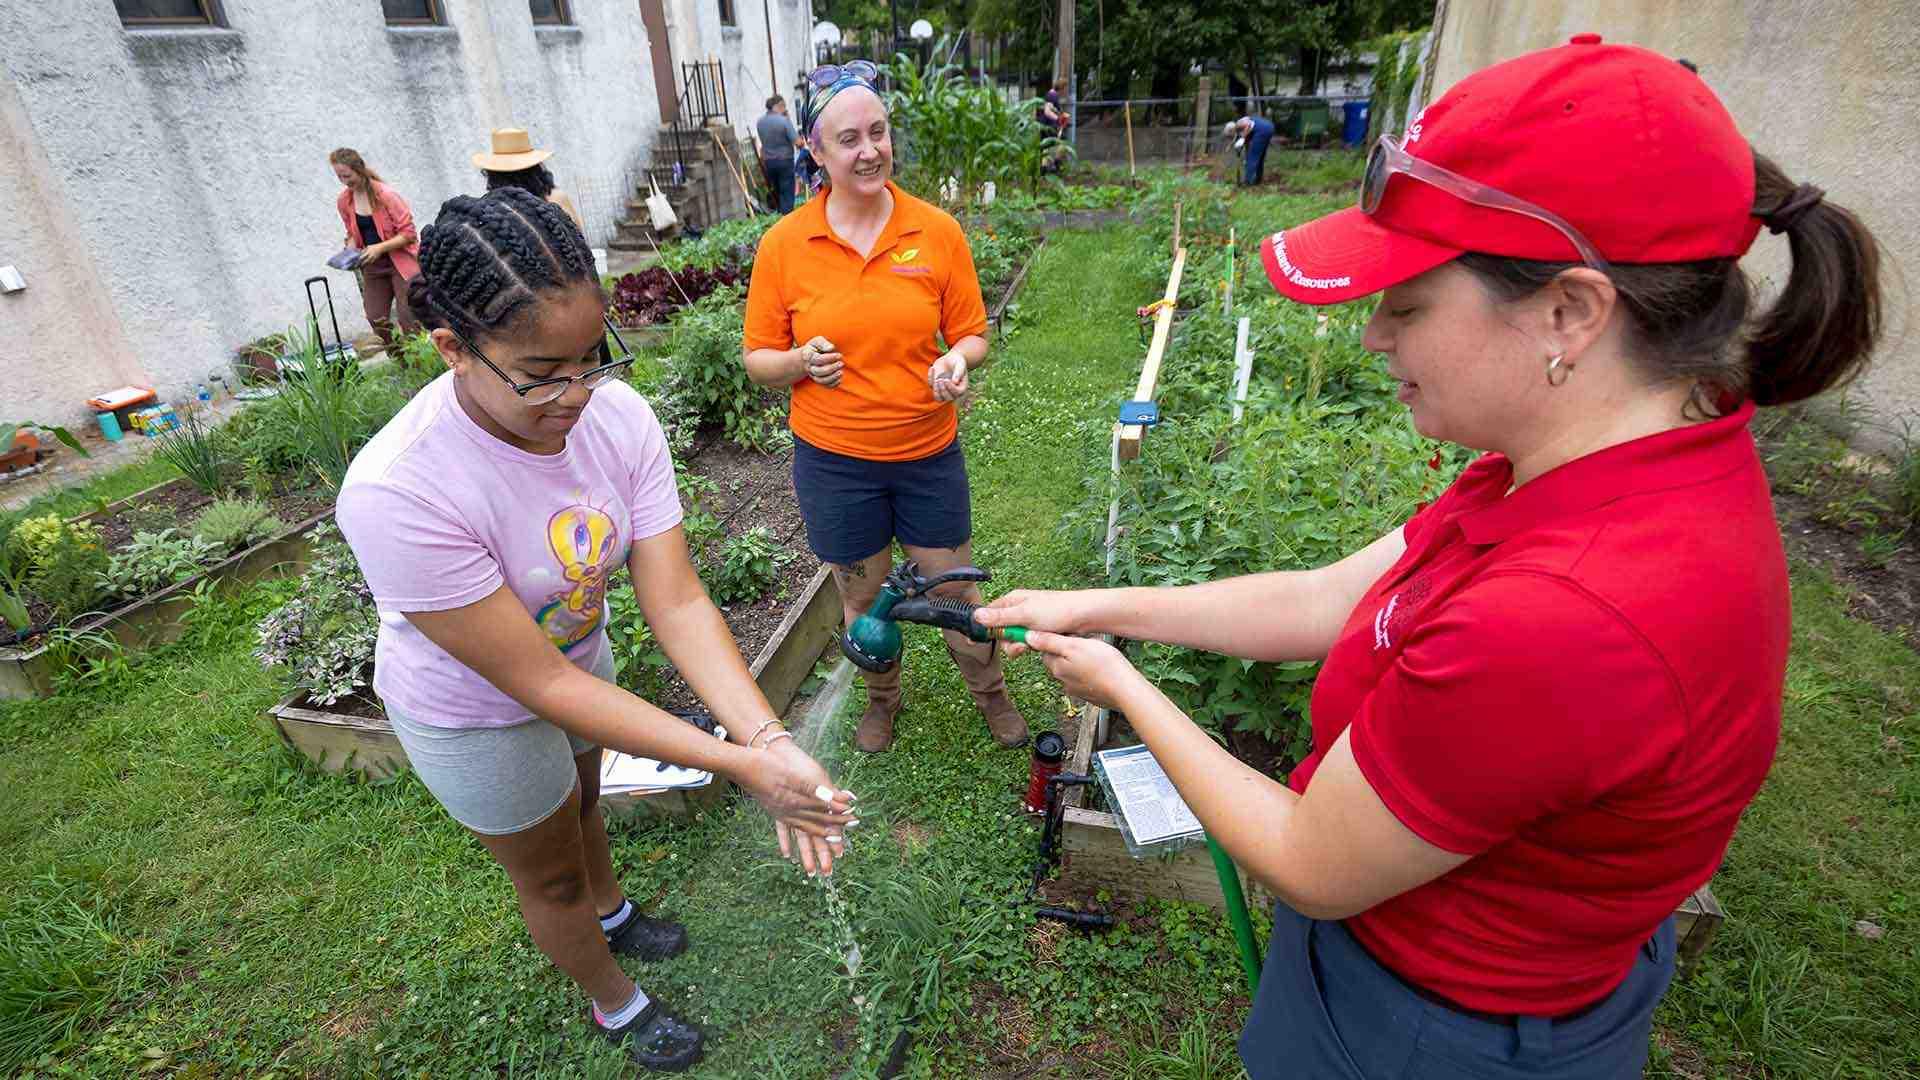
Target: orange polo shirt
pixel 881 312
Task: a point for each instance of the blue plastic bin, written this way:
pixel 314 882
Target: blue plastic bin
pixel 1354 131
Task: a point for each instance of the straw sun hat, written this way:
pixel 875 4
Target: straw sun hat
pixel 512 151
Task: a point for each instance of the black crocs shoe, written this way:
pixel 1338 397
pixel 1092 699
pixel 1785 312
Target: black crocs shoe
pixel 647 938
pixel 656 1041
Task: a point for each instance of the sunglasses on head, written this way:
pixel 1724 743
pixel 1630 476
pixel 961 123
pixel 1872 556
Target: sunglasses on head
pixel 1389 157
pixel 827 74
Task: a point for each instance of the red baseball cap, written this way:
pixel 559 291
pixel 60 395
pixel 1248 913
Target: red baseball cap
pixel 1631 149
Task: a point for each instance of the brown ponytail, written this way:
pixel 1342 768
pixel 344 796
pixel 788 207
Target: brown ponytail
pixel 1691 319
pixel 1829 316
pixel 358 166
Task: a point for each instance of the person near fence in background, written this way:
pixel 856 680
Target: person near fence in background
pixel 1251 135
pixel 379 224
pixel 848 298
pixel 488 517
pixel 1051 112
pixel 1548 696
pixel 514 162
pixel 777 137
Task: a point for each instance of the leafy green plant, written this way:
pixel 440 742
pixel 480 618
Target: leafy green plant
pixel 10 429
pixel 1321 464
pixel 67 577
pixel 230 524
pixel 416 363
pixel 952 136
pixel 191 448
pixel 154 560
pixel 319 420
pixel 725 243
pixel 33 541
pixel 747 566
pixel 697 522
pixel 706 382
pixel 325 634
pixel 13 604
pixel 638 660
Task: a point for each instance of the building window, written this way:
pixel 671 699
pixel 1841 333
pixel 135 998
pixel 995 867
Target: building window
pixel 550 12
pixel 411 12
pixel 726 13
pixel 168 12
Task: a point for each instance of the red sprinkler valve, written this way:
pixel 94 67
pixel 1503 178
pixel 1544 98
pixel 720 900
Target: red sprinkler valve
pixel 1049 750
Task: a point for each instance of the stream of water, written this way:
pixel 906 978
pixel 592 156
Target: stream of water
pixel 820 736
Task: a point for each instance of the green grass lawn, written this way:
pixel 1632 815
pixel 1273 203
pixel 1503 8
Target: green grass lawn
pixel 181 896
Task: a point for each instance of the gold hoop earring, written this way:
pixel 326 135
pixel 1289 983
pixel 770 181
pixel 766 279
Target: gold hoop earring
pixel 1553 365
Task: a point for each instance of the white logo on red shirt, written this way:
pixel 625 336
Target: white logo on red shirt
pixel 1381 620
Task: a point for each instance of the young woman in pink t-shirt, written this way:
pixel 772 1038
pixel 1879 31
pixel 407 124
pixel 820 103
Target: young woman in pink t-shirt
pixel 487 518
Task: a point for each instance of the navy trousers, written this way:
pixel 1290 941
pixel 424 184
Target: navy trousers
pixel 1327 1009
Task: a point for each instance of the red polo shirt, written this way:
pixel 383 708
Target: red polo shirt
pixel 1578 685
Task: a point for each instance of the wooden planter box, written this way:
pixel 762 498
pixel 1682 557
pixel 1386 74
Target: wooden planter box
pixel 999 312
pixel 1095 857
pixel 154 619
pixel 337 742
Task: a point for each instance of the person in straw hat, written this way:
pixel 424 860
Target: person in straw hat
pixel 515 163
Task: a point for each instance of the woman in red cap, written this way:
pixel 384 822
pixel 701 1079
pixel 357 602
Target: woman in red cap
pixel 1548 696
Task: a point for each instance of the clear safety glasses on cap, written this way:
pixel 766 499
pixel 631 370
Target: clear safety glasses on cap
pixel 1389 157
pixel 827 74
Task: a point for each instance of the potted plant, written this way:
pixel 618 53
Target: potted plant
pixel 20 443
pixel 259 360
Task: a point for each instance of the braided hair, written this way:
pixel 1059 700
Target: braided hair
pixel 535 178
pixel 484 261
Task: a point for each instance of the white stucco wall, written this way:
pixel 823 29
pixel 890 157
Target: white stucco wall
pixel 167 191
pixel 1827 88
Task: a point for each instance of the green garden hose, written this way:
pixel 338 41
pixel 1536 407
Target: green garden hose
pixel 1237 913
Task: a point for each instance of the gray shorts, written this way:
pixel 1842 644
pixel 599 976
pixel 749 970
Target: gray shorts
pixel 496 780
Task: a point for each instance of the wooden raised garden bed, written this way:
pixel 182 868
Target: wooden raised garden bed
pixel 341 740
pixel 998 315
pixel 28 670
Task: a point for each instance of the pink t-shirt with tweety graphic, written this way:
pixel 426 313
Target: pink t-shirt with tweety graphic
pixel 440 514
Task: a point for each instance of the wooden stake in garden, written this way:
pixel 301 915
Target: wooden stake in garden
pixel 1150 374
pixel 1128 113
pixel 738 177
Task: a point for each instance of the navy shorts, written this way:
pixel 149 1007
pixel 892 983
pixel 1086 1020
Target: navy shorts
pixel 855 508
pixel 1327 1008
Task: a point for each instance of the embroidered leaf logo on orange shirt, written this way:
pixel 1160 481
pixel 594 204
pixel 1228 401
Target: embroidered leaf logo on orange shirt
pixel 905 256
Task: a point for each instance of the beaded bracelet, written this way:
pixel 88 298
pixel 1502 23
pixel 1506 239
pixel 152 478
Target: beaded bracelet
pixel 764 725
pixel 774 738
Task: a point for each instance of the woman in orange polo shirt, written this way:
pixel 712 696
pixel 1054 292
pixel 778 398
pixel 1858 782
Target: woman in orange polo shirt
pixel 864 301
pixel 1548 696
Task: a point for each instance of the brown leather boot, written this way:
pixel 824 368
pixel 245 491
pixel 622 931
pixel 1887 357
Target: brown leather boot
pixel 883 704
pixel 980 668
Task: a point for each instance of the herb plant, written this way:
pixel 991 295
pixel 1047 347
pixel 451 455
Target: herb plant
pixel 231 524
pixel 154 560
pixel 747 566
pixel 325 635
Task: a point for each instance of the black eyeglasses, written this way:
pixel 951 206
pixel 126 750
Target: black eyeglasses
pixel 827 74
pixel 547 391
